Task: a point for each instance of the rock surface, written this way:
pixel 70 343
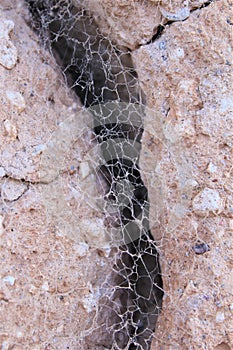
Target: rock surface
pixel 51 264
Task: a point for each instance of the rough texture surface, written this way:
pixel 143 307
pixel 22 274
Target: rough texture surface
pixel 51 264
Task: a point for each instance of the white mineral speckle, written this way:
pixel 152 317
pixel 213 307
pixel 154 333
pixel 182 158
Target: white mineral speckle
pixel 38 149
pixel 9 279
pixel 212 168
pixel 10 129
pixel 84 169
pixel 206 201
pixel 220 317
pixel 2 172
pixel 5 345
pixel 226 104
pixel 45 286
pixel 93 231
pixel 179 52
pixel 231 224
pixel 90 300
pixel 16 99
pixel 8 52
pixel 82 248
pixel 1 225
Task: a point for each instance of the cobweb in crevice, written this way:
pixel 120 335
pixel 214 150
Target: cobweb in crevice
pixel 103 77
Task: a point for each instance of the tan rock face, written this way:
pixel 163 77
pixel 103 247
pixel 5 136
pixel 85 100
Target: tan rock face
pixel 187 75
pixel 51 269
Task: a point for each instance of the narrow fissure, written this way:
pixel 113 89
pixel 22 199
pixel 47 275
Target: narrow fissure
pixel 162 27
pixel 104 78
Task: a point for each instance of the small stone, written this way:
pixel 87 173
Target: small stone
pixel 17 100
pixel 226 104
pixel 32 289
pixel 11 129
pixel 12 190
pixel 84 169
pixel 220 317
pixel 8 52
pixel 180 15
pixel 90 300
pixel 9 279
pixel 201 248
pixel 228 139
pixel 212 168
pixel 207 201
pixel 82 248
pixel 60 328
pixel 2 172
pixel 45 286
pixel 6 345
pixel 231 224
pixel 38 149
pixel 1 225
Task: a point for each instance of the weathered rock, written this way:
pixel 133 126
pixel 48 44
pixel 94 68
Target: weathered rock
pixel 207 201
pixel 187 76
pixel 187 144
pixel 12 190
pixel 8 52
pixel 16 100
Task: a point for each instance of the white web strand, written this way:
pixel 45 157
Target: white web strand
pixel 103 77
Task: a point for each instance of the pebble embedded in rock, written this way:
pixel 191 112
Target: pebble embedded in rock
pixel 8 52
pixel 11 129
pixel 207 201
pixel 11 189
pixel 81 249
pixel 16 99
pixel 2 172
pixel 84 169
pixel 212 168
pixel 1 225
pixel 220 317
pixel 201 248
pixel 9 279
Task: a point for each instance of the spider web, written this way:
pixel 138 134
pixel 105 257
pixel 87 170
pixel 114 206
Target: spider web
pixel 103 76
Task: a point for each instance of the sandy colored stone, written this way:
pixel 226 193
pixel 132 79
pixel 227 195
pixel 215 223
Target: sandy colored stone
pixel 8 52
pixel 133 25
pixel 10 129
pixel 16 99
pixel 12 190
pixel 187 76
pixel 207 201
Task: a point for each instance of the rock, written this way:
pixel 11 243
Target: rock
pixel 12 190
pixel 16 99
pixel 2 172
pixel 220 317
pixel 186 74
pixel 180 15
pixel 81 248
pixel 1 225
pixel 8 52
pixel 9 279
pixel 212 168
pixel 207 201
pixel 11 129
pixel 84 169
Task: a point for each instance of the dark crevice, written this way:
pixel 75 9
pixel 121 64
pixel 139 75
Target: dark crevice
pixel 207 3
pixel 104 78
pixel 161 28
pixel 157 35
